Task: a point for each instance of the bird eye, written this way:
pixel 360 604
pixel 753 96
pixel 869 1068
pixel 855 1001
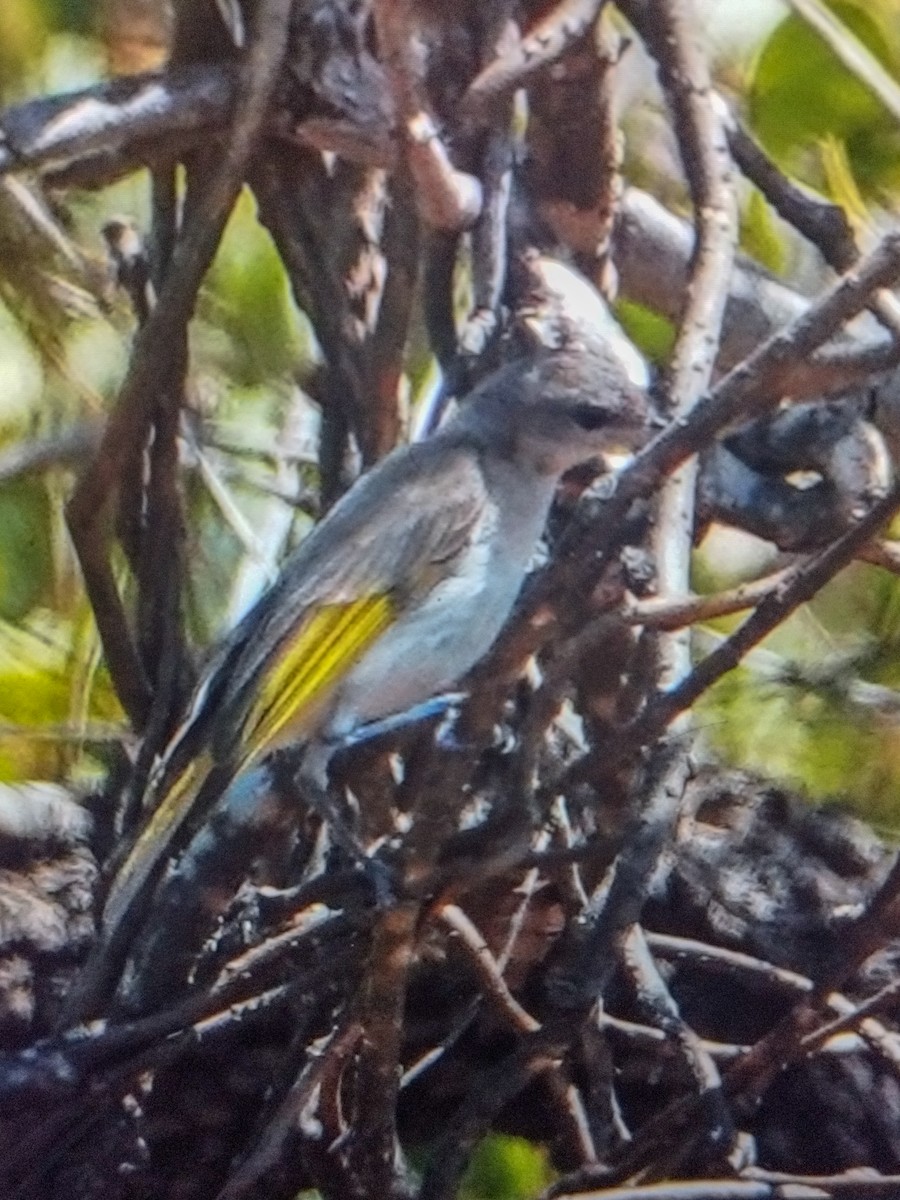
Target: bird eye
pixel 589 416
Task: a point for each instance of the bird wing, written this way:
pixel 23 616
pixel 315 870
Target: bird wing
pixel 392 538
pixel 371 556
pixel 297 677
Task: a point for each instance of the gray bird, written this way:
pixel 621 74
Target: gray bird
pixel 407 581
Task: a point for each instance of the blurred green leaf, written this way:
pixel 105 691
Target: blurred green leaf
pixel 23 35
pixel 76 16
pixel 506 1168
pixel 45 689
pixel 840 183
pixel 26 559
pixel 806 733
pixel 760 235
pixel 653 334
pixel 800 93
pixel 247 298
pixel 807 741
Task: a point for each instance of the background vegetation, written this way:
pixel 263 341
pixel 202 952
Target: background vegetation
pixel 65 331
pixel 794 711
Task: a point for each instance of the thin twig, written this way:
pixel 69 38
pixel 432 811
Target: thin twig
pixel 468 938
pixel 858 1181
pixel 700 1189
pixel 801 583
pixel 853 1018
pixel 478 954
pixel 719 958
pixel 675 612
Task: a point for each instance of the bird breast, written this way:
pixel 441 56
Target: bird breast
pixel 436 640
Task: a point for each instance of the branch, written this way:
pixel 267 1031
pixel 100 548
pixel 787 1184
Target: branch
pixel 801 583
pixel 114 120
pixel 676 612
pixel 822 223
pixel 668 31
pixel 159 355
pixel 447 198
pixel 543 45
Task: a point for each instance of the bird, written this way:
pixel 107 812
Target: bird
pixel 406 582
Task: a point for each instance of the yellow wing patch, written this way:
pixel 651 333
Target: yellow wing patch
pixel 306 667
pixel 299 676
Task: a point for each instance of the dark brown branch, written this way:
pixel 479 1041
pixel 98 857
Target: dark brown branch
pixel 447 198
pixel 371 1147
pixel 52 133
pixel 541 46
pixel 822 223
pixel 400 245
pixel 674 612
pixel 159 353
pixel 465 933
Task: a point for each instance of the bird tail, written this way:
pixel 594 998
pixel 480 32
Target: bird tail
pixel 144 859
pixel 142 865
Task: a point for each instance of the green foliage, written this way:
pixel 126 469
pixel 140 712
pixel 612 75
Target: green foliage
pixel 506 1168
pixel 801 94
pixel 77 16
pixel 789 713
pixel 760 235
pixel 652 333
pixel 26 559
pixel 51 693
pixel 247 302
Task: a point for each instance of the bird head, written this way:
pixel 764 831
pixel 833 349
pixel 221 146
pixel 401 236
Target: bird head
pixel 570 412
pixel 577 392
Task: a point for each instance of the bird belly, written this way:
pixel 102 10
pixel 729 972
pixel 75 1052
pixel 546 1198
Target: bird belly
pixel 431 645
